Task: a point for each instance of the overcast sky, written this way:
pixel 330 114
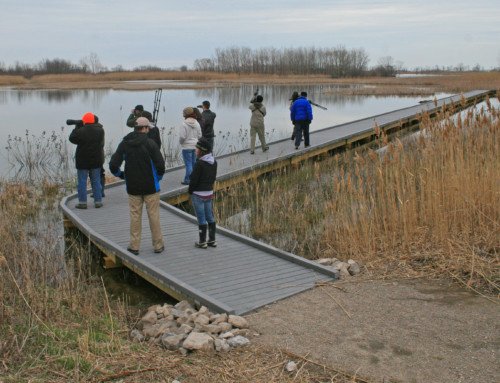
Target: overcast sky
pixel 171 33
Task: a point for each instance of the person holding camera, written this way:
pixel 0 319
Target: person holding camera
pixel 154 132
pixel 144 169
pixel 257 122
pixel 301 116
pixel 88 136
pixel 207 122
pixel 189 133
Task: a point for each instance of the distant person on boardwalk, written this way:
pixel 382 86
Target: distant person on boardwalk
pixel 207 122
pixel 301 116
pixel 88 136
pixel 154 132
pixel 201 188
pixel 189 134
pixel 144 169
pixel 257 123
pixel 295 96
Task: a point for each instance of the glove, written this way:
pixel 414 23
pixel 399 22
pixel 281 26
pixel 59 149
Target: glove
pixel 121 175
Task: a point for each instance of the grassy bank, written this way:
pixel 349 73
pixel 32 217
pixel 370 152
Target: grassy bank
pixel 428 207
pixel 452 83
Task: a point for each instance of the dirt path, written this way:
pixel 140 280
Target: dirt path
pixel 408 331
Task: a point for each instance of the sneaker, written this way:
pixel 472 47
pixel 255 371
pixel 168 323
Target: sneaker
pixel 81 206
pixel 185 183
pixel 307 146
pixel 265 149
pixel 252 152
pixel 135 252
pixel 160 250
pixel 97 205
pixel 293 137
pixel 201 245
pixel 296 147
pixel 212 243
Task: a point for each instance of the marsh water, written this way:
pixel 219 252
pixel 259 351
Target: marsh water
pixel 29 114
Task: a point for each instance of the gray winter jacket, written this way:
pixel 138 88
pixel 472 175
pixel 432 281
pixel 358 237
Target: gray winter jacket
pixel 258 113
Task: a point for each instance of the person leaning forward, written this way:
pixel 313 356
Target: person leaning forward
pixel 144 168
pixel 154 132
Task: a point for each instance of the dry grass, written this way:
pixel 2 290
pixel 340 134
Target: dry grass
pixel 452 83
pixel 427 207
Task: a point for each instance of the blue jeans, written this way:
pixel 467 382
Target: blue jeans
pixel 203 209
pixel 301 127
pixel 189 157
pixel 95 181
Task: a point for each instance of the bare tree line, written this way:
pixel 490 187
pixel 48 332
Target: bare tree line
pixel 337 62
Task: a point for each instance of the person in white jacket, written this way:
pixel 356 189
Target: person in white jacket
pixel 189 134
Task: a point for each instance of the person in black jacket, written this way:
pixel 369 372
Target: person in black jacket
pixel 154 132
pixel 201 188
pixel 89 158
pixel 144 169
pixel 207 122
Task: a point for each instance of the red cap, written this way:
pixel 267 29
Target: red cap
pixel 88 118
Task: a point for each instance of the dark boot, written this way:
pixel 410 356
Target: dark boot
pixel 202 230
pixel 211 235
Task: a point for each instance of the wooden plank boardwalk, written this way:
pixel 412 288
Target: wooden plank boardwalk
pixel 241 274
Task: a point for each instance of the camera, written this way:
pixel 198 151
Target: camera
pixel 78 123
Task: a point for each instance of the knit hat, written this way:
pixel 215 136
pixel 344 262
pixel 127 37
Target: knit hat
pixel 139 107
pixel 189 111
pixel 259 98
pixel 204 145
pixel 303 94
pixel 88 118
pixel 142 121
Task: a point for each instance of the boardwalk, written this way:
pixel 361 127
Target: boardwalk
pixel 241 274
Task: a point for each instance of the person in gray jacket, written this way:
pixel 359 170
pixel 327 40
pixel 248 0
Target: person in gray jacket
pixel 189 134
pixel 257 123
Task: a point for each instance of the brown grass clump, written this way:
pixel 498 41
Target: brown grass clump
pixel 429 206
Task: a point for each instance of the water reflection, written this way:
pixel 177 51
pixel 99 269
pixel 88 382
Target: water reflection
pixel 47 110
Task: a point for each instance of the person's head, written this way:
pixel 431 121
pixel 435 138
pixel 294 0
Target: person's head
pixel 303 94
pixel 259 98
pixel 88 118
pixel 206 105
pixel 142 125
pixel 188 112
pixel 138 109
pixel 203 146
pixel 295 95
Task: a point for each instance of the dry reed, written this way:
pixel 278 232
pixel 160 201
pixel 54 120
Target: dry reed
pixel 429 206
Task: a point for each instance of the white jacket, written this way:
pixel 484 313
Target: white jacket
pixel 189 133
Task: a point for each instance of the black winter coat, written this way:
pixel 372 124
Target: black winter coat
pixel 203 176
pixel 144 164
pixel 207 123
pixel 89 141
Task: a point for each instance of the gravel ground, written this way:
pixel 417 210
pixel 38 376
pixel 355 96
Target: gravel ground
pixel 389 331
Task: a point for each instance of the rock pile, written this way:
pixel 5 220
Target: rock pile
pixel 183 328
pixel 345 269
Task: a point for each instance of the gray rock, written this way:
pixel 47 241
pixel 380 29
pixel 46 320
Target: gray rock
pixel 291 366
pixel 211 328
pixel 172 342
pixel 183 351
pixel 324 261
pixel 225 327
pixel 147 320
pixel 353 268
pixel 218 318
pixel 137 336
pixel 184 305
pixel 204 311
pixel 238 321
pixel 185 329
pixel 238 341
pixel 241 331
pixel 225 335
pixel 202 320
pixel 221 345
pixel 199 341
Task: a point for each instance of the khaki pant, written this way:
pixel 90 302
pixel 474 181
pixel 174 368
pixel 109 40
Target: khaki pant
pixel 259 130
pixel 152 202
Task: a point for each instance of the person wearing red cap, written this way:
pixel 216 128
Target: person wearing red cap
pixel 89 158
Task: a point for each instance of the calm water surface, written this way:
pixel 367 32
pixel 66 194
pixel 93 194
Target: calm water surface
pixel 38 111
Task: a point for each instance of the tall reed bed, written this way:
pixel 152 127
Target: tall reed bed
pixel 427 206
pixel 55 315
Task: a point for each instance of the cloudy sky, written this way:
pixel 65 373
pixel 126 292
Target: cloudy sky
pixel 171 33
